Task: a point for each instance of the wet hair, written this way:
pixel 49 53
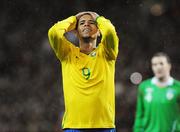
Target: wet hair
pixel 162 54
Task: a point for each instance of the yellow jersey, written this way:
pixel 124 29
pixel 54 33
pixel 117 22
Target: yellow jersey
pixel 88 80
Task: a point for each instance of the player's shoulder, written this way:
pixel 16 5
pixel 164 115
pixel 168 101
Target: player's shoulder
pixel 176 83
pixel 145 83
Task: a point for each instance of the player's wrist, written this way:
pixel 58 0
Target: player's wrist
pixel 97 18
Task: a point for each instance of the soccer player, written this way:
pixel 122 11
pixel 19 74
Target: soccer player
pixel 88 72
pixel 158 104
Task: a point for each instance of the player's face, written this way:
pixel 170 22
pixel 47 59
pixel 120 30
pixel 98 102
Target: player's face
pixel 160 66
pixel 87 27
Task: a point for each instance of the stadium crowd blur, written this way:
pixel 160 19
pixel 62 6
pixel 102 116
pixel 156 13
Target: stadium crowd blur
pixel 31 95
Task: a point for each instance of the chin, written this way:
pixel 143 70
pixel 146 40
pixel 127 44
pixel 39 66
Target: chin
pixel 160 77
pixel 86 36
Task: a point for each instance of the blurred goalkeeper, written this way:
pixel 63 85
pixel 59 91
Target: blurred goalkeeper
pixel 158 105
pixel 88 72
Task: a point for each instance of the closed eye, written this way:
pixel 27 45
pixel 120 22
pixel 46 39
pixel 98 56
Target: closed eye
pixel 92 22
pixel 89 22
pixel 82 22
pixel 161 63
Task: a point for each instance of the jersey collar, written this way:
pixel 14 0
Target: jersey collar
pixel 169 82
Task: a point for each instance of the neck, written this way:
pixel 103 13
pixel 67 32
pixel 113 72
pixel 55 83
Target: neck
pixel 162 82
pixel 164 79
pixel 87 45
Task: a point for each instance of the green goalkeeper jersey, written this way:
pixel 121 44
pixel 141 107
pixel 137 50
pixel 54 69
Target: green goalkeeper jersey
pixel 158 109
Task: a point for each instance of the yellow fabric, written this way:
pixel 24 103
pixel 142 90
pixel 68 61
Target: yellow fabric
pixel 88 80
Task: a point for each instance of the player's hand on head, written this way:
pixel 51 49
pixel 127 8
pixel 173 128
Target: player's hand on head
pixel 78 15
pixel 93 14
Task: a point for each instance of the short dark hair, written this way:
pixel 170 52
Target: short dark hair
pixel 159 54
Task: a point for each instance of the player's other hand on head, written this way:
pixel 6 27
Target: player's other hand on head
pixel 94 15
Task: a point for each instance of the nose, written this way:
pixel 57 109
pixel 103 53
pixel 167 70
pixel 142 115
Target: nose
pixel 159 66
pixel 86 24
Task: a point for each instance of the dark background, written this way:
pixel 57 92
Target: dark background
pixel 31 98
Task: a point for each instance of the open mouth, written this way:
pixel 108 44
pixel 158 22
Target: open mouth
pixel 87 30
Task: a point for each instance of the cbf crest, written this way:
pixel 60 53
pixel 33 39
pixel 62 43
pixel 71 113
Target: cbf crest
pixel 93 54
